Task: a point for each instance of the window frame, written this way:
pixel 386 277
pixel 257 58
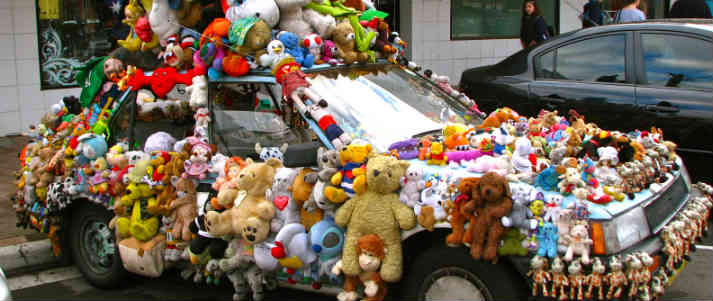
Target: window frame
pixel 628 58
pixel 555 26
pixel 640 71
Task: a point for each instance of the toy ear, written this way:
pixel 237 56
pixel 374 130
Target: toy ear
pixel 403 164
pixel 174 180
pixel 249 161
pixel 258 148
pixel 506 188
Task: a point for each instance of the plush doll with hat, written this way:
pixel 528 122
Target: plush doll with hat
pixel 377 211
pixel 198 164
pixel 92 75
pixel 250 35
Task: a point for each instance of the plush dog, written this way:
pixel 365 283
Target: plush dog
pixel 490 201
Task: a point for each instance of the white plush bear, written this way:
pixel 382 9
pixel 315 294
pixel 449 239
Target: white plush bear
pixel 280 194
pixel 294 18
pixel 411 185
pixel 266 10
pixel 198 91
pixel 163 20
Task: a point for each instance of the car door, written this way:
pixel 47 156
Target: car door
pixel 675 85
pixel 590 76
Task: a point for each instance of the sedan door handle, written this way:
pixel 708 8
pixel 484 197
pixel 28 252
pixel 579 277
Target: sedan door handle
pixel 662 109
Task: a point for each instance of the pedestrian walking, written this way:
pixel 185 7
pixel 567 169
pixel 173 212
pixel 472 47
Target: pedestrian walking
pixel 592 14
pixel 630 12
pixel 533 27
pixel 690 9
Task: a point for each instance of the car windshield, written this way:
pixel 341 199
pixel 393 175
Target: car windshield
pixel 385 104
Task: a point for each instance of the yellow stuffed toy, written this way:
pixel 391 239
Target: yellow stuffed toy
pixel 436 155
pixel 141 225
pixel 377 211
pixel 350 179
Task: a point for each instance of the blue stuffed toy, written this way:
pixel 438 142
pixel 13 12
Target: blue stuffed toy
pixel 548 179
pixel 327 240
pixel 91 146
pixel 547 237
pixel 292 47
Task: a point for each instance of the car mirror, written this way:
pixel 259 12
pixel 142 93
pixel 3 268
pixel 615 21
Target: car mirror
pixel 301 155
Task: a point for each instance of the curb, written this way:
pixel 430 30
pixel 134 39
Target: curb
pixel 26 255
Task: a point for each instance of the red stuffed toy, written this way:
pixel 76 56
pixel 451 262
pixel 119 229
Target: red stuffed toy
pixel 163 79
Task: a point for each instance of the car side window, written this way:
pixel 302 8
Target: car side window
pixel 248 113
pixel 171 115
pixel 677 61
pixel 600 59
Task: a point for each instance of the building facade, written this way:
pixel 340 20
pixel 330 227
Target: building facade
pixel 447 36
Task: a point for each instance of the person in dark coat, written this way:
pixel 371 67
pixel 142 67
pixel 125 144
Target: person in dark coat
pixel 690 9
pixel 533 28
pixel 592 14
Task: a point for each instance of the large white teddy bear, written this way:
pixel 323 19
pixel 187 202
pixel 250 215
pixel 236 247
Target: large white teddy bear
pixel 294 18
pixel 266 10
pixel 163 20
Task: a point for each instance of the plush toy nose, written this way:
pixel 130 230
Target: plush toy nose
pixel 487 192
pixel 317 248
pixel 376 173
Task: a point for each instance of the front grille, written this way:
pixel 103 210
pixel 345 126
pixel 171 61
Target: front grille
pixel 658 212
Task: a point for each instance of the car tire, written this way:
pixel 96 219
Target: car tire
pixel 467 279
pixel 94 250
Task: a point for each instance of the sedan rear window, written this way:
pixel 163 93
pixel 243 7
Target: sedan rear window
pixel 600 59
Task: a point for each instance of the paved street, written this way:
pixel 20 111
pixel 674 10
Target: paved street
pixel 693 284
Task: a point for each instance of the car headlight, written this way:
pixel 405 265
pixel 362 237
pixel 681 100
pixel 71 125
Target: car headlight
pixel 624 231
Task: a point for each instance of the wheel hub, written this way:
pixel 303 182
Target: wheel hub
pixel 453 283
pixel 98 245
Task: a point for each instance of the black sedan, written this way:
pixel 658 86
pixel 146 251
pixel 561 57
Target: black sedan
pixel 625 77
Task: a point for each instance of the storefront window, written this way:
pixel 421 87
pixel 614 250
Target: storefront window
pixel 495 19
pixel 72 32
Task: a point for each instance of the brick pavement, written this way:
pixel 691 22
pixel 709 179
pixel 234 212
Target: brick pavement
pixel 10 147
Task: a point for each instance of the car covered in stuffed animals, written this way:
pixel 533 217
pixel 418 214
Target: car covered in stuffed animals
pixel 362 179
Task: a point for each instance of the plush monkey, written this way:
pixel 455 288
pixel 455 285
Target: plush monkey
pixel 371 252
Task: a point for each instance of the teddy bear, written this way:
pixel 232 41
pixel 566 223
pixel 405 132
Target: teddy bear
pixel 497 117
pixel 251 215
pixel 292 47
pixel 266 10
pixel 411 186
pixel 198 91
pixel 579 242
pixel 183 210
pixel 377 211
pixel 457 217
pixel 372 253
pixel 91 146
pixel 570 180
pixel 521 217
pixel 490 201
pixel 163 20
pixel 302 190
pixel 303 21
pixel 429 209
pixel 288 211
pixel 101 175
pixel 349 176
pixel 436 154
pixel 250 36
pixel 344 39
pixel 330 53
pixel 139 224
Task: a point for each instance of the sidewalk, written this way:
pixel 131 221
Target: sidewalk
pixel 10 147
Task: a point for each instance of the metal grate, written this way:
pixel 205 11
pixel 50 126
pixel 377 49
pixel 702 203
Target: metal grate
pixel 659 211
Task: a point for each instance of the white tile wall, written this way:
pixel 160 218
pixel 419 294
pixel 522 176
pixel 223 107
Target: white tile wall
pixel 22 103
pixel 10 102
pixel 5 20
pixel 26 46
pixel 7 47
pixel 9 123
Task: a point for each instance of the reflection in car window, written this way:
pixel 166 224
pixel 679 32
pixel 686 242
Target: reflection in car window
pixel 599 59
pixel 677 61
pixel 245 114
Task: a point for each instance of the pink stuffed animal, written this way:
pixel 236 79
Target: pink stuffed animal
pixel 500 165
pixel 329 53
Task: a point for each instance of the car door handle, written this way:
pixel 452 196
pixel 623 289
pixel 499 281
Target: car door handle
pixel 662 109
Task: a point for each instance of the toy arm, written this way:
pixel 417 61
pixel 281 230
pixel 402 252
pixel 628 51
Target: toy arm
pixel 344 213
pixel 337 179
pixel 404 215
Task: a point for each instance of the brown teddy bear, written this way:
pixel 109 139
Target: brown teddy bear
pixel 458 216
pixel 346 47
pixel 490 201
pixel 301 190
pixel 497 117
pixel 255 42
pixel 377 211
pixel 184 209
pixel 252 213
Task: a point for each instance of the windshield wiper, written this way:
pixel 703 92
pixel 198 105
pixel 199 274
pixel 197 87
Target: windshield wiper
pixel 426 133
